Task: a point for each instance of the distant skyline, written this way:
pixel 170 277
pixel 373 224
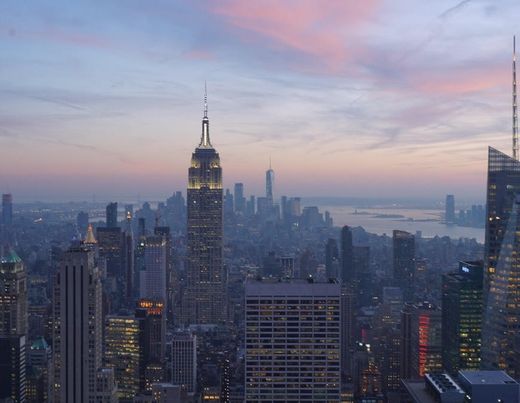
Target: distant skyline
pixel 394 98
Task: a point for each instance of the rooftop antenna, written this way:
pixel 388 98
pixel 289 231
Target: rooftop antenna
pixel 515 115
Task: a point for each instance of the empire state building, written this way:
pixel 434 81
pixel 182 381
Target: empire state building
pixel 204 300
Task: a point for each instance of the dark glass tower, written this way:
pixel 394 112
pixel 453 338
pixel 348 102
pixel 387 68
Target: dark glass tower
pixel 347 256
pixel 462 317
pixel 205 294
pixel 111 215
pixel 404 262
pixel 502 278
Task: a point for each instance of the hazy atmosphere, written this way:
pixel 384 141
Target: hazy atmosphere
pixel 347 98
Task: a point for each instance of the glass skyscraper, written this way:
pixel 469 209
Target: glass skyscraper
pixel 502 260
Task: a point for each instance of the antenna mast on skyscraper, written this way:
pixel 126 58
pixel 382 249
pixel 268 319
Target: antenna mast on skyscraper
pixel 515 116
pixel 205 99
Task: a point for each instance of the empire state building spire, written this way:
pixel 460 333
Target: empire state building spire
pixel 204 140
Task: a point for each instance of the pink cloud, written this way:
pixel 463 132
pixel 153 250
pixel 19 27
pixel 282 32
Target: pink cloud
pixel 463 80
pixel 319 29
pixel 198 54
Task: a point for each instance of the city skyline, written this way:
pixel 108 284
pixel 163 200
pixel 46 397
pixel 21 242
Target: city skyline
pixel 104 99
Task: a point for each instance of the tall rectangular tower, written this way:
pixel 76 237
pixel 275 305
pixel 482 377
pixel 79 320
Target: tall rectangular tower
pixel 404 262
pixel 502 265
pixel 204 301
pixel 462 317
pixel 292 341
pixel 77 329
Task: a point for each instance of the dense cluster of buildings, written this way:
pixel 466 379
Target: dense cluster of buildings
pixel 157 305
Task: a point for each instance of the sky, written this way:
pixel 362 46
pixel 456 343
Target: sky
pixel 372 98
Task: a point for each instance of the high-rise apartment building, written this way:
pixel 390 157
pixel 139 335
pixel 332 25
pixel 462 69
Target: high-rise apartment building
pixel 77 327
pixel 204 301
pixel 404 262
pixel 292 341
pixel 462 309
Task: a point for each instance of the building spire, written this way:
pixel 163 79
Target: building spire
pixel 205 99
pixel 515 114
pixel 204 140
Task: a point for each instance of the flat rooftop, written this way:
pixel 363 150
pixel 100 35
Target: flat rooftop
pixel 486 377
pixel 291 288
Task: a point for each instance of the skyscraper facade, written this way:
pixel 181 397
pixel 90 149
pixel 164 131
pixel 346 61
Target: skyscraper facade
pixel 347 256
pixel 153 278
pixel 7 209
pixel 205 294
pixel 269 186
pixel 462 309
pixel 13 295
pixel 184 360
pixel 332 258
pixel 292 341
pixel 404 262
pixel 502 270
pixel 111 215
pixel 77 328
pixel 240 200
pixel 123 353
pixel 426 339
pixel 13 327
pixel 449 215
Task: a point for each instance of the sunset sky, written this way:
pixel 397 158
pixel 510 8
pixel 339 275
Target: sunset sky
pixel 395 98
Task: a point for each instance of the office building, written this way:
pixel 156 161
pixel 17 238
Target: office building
pixel 292 341
pixel 269 186
pixel 449 215
pixel 347 256
pixel 111 215
pixel 123 353
pixel 13 368
pixel 151 316
pixel 502 271
pixel 106 387
pixel 240 200
pixel 82 220
pixel 184 361
pixel 205 299
pixel 39 371
pixel 153 277
pixel 13 295
pixel 467 386
pixel 462 310
pixel 7 209
pixel 77 327
pixel 332 259
pixel 421 338
pixel 404 262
